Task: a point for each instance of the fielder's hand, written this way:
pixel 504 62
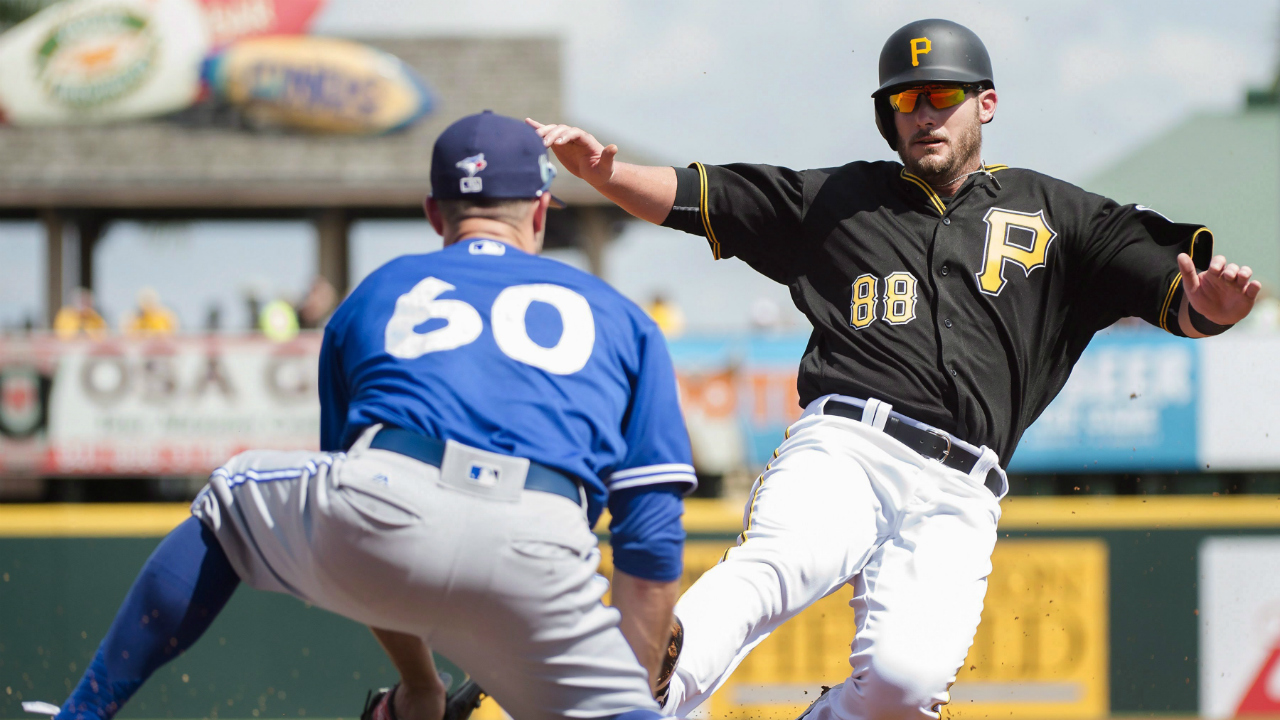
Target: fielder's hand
pixel 1224 293
pixel 579 152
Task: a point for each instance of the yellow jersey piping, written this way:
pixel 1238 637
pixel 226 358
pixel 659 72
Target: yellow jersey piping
pixel 702 206
pixel 751 511
pixel 1173 286
pixel 933 196
pixel 1168 300
pixel 1195 236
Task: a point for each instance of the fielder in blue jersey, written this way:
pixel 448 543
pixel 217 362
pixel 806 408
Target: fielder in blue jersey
pixel 480 407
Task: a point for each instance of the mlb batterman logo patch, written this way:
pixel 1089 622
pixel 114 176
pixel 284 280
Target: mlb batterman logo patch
pixel 484 475
pixel 472 165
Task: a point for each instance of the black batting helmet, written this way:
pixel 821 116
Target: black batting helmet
pixel 927 51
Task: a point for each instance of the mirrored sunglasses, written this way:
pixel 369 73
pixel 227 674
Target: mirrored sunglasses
pixel 940 96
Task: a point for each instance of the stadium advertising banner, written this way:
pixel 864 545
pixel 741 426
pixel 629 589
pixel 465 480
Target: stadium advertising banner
pixel 1041 650
pixel 1130 404
pixel 88 61
pixel 171 406
pixel 1138 401
pixel 1239 627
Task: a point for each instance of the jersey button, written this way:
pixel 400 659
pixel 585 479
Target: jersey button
pixel 953 372
pixel 946 221
pixel 945 269
pixel 947 322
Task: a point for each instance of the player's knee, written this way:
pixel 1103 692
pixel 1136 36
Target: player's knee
pixel 893 686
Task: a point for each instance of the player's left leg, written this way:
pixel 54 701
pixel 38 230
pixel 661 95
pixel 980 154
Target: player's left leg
pixel 181 589
pixel 918 603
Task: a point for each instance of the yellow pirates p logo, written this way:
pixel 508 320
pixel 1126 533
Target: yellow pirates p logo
pixel 1026 249
pixel 919 46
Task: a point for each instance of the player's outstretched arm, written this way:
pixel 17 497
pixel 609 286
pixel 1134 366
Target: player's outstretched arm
pixel 644 191
pixel 421 694
pixel 1221 296
pixel 647 608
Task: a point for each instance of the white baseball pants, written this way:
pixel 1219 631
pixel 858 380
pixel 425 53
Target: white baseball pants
pixel 501 580
pixel 844 503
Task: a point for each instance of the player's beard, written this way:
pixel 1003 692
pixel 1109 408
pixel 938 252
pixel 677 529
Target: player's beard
pixel 939 169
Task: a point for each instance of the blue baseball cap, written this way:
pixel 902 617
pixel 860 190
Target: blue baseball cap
pixel 490 156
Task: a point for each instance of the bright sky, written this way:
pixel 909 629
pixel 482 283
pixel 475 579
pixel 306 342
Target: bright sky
pixel 1080 84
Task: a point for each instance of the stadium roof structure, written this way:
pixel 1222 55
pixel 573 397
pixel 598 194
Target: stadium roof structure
pixel 1219 170
pixel 204 163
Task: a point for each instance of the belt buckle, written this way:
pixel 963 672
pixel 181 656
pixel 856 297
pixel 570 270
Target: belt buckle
pixel 945 453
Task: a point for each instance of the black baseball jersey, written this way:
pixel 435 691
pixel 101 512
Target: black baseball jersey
pixel 967 312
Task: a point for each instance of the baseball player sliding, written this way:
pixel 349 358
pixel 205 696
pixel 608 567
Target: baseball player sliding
pixel 480 407
pixel 949 300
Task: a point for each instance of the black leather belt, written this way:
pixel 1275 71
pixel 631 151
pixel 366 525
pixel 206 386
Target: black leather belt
pixel 931 443
pixel 431 451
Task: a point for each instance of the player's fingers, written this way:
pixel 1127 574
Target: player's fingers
pixel 1252 289
pixel 606 159
pixel 581 137
pixel 1217 264
pixel 1190 279
pixel 533 123
pixel 570 135
pixel 1229 272
pixel 556 133
pixel 1244 276
pixel 546 130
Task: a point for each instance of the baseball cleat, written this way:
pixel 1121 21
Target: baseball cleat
pixel 463 701
pixel 668 669
pixel 379 706
pixel 458 705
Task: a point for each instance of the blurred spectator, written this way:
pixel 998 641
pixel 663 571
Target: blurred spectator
pixel 80 316
pixel 318 305
pixel 765 315
pixel 278 321
pixel 151 317
pixel 253 306
pixel 667 315
pixel 213 318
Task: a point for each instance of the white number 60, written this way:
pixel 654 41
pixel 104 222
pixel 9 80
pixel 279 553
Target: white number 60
pixel 507 317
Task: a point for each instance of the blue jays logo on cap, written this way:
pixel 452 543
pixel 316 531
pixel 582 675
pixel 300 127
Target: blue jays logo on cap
pixel 471 166
pixel 490 156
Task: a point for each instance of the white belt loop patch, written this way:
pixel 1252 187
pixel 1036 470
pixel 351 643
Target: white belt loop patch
pixel 876 413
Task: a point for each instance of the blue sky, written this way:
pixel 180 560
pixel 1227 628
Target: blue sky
pixel 1080 84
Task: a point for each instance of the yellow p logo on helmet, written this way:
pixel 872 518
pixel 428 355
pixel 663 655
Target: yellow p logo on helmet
pixel 919 46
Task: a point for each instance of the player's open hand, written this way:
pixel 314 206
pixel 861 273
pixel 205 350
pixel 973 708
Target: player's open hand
pixel 579 152
pixel 1224 293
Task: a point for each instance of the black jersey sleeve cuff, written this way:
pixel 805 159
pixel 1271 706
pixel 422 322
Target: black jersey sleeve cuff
pixel 1200 248
pixel 686 213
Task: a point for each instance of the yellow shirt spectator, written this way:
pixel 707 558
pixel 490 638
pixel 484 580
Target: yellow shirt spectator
pixel 151 318
pixel 79 317
pixel 667 315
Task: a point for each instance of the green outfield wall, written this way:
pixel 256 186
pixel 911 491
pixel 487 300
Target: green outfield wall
pixel 1128 637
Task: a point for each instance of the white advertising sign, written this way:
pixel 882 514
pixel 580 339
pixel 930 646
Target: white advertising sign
pixel 87 61
pixel 166 406
pixel 1239 627
pixel 1239 412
